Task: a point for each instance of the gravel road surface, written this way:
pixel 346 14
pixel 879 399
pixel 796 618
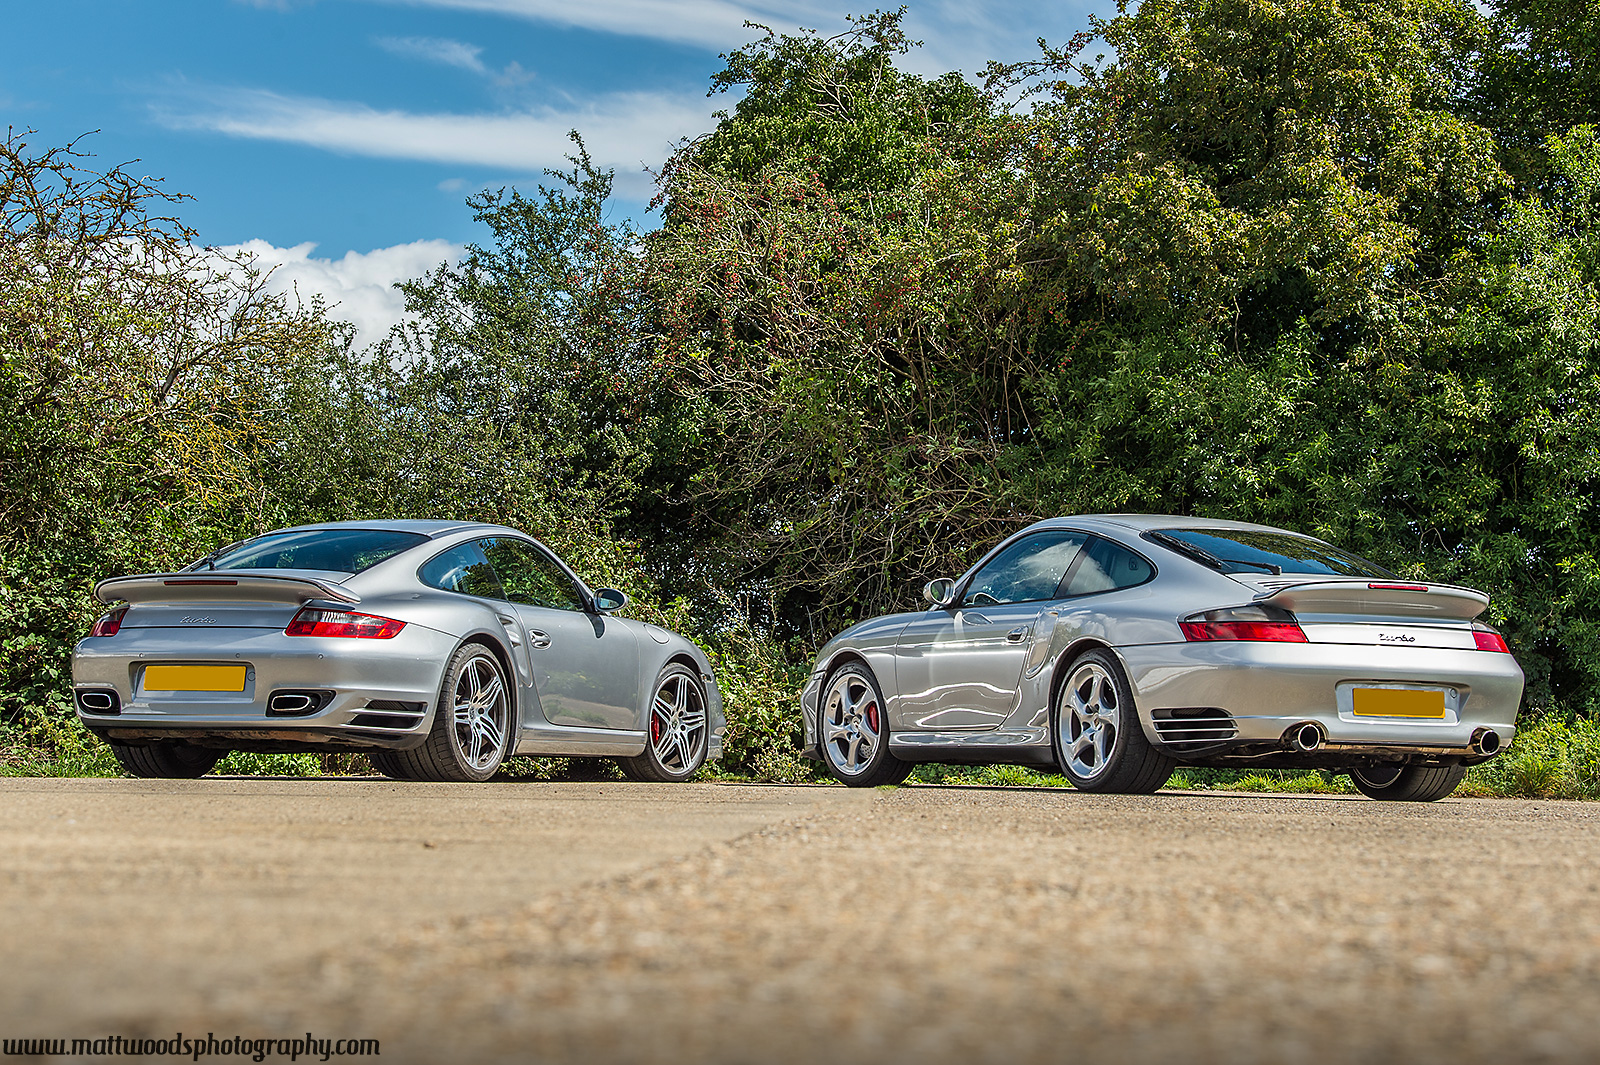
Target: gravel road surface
pixel 611 922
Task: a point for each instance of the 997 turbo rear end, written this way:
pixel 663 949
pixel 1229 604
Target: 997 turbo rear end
pixel 196 664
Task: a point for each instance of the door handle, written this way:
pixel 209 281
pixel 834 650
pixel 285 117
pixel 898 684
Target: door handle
pixel 511 630
pixel 540 639
pixel 1019 634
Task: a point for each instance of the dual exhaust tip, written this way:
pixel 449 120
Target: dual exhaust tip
pixel 1308 736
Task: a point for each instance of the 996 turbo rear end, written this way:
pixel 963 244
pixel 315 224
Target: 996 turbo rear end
pixel 199 663
pixel 1393 681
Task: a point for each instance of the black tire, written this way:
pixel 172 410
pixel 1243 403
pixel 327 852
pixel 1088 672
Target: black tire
pixel 1408 783
pixel 1110 753
pixel 468 750
pixel 166 760
pixel 677 729
pixel 852 695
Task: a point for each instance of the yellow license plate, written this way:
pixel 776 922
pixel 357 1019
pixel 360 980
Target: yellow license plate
pixel 1398 702
pixel 194 678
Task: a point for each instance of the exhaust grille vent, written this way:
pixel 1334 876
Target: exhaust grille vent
pixel 1189 727
pixel 391 714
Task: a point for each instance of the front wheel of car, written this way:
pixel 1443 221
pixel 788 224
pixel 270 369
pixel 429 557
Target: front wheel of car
pixel 468 739
pixel 166 760
pixel 1099 745
pixel 678 730
pixel 855 730
pixel 1408 783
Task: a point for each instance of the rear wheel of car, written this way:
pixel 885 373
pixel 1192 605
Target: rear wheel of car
pixel 855 730
pixel 1099 745
pixel 1408 783
pixel 468 739
pixel 163 759
pixel 678 731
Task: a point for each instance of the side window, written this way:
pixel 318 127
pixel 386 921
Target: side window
pixel 463 569
pixel 1107 567
pixel 530 576
pixel 1029 569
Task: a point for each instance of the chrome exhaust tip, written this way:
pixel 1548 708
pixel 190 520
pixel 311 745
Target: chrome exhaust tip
pixel 290 704
pixel 1486 741
pixel 1306 737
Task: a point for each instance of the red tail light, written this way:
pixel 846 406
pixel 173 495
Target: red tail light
pixel 1259 623
pixel 1400 587
pixel 1490 641
pixel 310 622
pixel 110 623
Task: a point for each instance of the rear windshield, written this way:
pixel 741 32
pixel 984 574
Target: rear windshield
pixel 340 550
pixel 1271 552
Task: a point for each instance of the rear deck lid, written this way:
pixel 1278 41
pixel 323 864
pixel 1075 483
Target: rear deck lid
pixel 223 598
pixel 1380 613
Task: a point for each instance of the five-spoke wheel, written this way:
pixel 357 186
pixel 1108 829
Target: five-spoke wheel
pixel 479 712
pixel 1099 744
pixel 678 735
pixel 855 730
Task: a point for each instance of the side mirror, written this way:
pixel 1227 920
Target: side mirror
pixel 940 591
pixel 607 600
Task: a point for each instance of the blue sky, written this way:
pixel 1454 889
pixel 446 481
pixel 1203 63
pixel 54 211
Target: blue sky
pixel 323 132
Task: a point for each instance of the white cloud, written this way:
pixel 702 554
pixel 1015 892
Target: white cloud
pixel 359 287
pixel 713 24
pixel 437 50
pixel 626 131
pixel 957 34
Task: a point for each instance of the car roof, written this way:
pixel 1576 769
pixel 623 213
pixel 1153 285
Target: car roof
pixel 432 528
pixel 1143 522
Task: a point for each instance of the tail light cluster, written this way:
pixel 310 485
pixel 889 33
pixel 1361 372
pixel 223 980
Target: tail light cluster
pixel 314 622
pixel 1489 640
pixel 1254 622
pixel 110 624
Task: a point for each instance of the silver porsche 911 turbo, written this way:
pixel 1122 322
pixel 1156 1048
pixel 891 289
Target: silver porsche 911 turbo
pixel 1118 646
pixel 439 648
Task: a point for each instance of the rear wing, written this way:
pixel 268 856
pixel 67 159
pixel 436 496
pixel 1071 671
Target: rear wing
pixel 1444 602
pixel 212 586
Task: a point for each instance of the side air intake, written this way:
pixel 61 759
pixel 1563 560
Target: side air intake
pixel 1193 727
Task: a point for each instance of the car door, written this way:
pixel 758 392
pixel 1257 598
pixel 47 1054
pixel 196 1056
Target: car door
pixel 585 664
pixel 958 668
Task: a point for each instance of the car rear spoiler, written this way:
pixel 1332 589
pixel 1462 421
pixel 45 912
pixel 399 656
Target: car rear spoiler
pixel 212 586
pixel 1445 602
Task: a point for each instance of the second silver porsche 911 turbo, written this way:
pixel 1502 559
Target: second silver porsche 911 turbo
pixel 1118 646
pixel 439 648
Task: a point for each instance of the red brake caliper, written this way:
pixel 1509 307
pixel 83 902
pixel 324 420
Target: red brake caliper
pixel 655 727
pixel 872 717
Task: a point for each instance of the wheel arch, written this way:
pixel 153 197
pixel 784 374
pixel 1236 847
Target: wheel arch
pixel 1063 663
pixel 513 688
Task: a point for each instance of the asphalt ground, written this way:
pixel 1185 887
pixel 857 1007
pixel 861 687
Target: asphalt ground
pixel 610 922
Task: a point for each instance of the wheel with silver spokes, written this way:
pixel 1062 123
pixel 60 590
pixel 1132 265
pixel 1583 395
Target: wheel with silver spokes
pixel 677 732
pixel 468 739
pixel 1099 745
pixel 855 730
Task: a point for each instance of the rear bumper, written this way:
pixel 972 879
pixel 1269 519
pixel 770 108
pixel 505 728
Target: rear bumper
pixel 402 675
pixel 1267 689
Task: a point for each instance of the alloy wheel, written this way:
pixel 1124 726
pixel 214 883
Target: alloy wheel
pixel 1089 720
pixel 480 713
pixel 852 723
pixel 677 723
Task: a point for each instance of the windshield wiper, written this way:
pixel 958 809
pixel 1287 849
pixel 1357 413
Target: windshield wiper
pixel 1184 547
pixel 1268 566
pixel 1201 555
